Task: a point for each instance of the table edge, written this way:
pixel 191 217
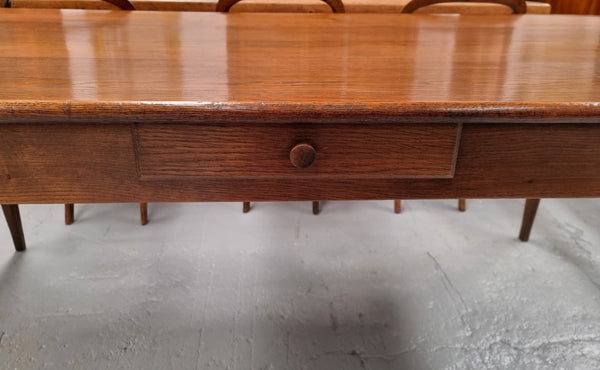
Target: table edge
pixel 189 111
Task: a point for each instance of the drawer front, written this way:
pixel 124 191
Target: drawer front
pixel 178 151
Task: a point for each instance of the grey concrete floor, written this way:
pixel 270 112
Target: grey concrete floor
pixel 203 286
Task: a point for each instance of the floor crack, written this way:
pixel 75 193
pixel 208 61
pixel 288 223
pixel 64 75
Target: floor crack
pixel 450 288
pixel 453 292
pixel 359 356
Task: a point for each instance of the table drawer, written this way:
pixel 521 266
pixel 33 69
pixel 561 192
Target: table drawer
pixel 179 151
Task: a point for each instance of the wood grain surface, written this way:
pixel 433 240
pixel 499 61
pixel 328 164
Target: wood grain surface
pixel 540 160
pixel 263 151
pixel 203 66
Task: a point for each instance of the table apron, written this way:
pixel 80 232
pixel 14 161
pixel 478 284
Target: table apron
pixel 77 163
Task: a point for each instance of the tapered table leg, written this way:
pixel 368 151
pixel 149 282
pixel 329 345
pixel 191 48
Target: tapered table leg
pixel 69 214
pixel 143 213
pixel 316 208
pixel 462 205
pixel 13 218
pixel 246 207
pixel 397 206
pixel 531 206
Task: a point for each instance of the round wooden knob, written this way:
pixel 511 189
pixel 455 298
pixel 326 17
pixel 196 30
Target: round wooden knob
pixel 303 155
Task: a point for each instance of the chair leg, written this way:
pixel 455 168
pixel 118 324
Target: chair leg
pixel 462 204
pixel 397 206
pixel 316 208
pixel 143 213
pixel 13 219
pixel 246 207
pixel 531 206
pixel 69 214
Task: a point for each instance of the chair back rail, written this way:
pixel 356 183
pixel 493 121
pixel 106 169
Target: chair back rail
pixel 517 6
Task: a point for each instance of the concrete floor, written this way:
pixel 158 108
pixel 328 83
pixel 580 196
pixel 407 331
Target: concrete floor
pixel 203 286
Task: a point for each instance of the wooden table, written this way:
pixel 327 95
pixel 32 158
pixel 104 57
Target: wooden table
pixel 105 106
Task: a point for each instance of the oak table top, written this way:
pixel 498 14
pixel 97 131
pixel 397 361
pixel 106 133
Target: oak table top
pixel 127 64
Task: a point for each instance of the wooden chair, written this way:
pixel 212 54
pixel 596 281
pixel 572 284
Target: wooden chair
pixel 70 208
pixel 350 6
pixel 337 6
pixel 517 7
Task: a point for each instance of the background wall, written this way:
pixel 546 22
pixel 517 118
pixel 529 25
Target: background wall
pixel 575 6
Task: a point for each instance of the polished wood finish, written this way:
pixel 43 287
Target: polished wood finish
pixel 531 206
pixel 299 6
pixel 69 213
pixel 428 81
pixel 517 6
pixel 503 120
pixel 13 219
pixel 337 6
